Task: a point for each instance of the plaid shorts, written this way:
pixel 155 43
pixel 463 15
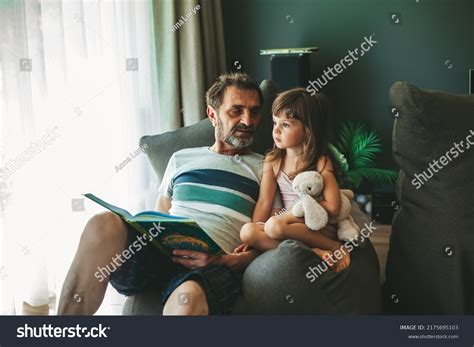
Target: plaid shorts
pixel 148 268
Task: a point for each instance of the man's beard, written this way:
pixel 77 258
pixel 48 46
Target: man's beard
pixel 230 139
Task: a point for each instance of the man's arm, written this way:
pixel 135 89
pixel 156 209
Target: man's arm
pixel 165 191
pixel 236 262
pixel 163 204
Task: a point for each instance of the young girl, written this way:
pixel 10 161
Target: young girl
pixel 301 144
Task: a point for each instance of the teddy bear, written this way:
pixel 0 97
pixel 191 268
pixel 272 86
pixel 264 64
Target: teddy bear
pixel 309 186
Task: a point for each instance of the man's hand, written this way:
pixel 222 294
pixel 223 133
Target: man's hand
pixel 192 259
pixel 241 248
pixel 236 262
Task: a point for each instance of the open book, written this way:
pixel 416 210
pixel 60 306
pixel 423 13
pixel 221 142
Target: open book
pixel 165 231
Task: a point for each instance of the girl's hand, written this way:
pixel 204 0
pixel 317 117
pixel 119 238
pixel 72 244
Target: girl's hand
pixel 241 248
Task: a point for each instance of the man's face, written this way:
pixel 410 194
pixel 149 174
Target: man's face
pixel 237 118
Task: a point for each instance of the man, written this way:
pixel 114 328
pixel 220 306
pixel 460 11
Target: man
pixel 217 186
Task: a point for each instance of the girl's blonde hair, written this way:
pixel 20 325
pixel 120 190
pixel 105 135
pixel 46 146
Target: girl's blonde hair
pixel 314 113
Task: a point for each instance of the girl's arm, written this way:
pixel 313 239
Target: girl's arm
pixel 331 193
pixel 267 192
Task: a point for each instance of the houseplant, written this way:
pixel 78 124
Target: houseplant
pixel 355 150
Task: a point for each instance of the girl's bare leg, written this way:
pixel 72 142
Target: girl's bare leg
pixel 323 243
pixel 254 235
pixel 287 226
pixel 324 255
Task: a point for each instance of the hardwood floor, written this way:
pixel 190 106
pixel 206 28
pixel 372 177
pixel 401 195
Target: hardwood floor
pixel 380 239
pixel 111 306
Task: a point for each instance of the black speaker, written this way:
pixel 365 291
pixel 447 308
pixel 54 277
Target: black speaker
pixel 290 71
pixel 384 205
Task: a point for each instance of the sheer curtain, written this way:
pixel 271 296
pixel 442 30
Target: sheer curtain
pixel 77 91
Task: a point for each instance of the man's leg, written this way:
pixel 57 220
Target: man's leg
pixel 104 236
pixel 188 299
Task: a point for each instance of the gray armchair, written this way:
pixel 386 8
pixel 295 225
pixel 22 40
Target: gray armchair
pixel 276 282
pixel 430 264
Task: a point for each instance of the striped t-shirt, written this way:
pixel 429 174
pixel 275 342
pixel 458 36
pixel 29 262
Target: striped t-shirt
pixel 218 191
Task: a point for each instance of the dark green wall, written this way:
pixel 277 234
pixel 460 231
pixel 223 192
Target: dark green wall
pixel 431 32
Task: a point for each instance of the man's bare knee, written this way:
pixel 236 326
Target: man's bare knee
pixel 103 227
pixel 188 299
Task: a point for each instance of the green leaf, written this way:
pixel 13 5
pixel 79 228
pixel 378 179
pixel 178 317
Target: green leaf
pixel 355 177
pixel 363 161
pixel 366 145
pixel 346 136
pixel 373 175
pixel 341 159
pixel 360 146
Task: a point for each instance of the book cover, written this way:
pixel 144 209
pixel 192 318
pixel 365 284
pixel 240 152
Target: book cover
pixel 166 232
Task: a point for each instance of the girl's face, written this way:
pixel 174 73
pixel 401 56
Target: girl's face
pixel 287 132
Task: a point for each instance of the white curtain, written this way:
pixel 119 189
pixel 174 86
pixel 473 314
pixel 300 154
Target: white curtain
pixel 77 92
